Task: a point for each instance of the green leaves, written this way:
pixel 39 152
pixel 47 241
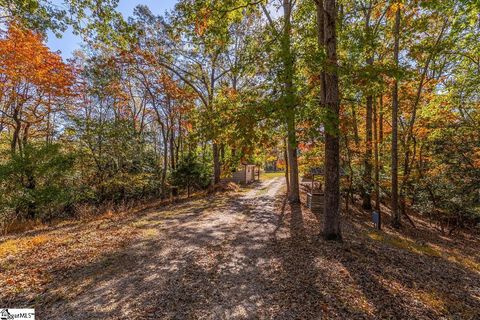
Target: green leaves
pixel 93 19
pixel 37 182
pixel 191 173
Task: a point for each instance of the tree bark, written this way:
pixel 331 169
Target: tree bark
pixel 289 94
pixel 287 178
pixel 172 149
pixel 380 120
pixel 216 163
pixel 165 160
pixel 321 46
pixel 294 190
pixel 331 227
pixel 396 221
pixel 16 131
pixel 376 157
pixel 367 173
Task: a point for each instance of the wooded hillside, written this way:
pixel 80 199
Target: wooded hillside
pixel 385 90
pixel 379 98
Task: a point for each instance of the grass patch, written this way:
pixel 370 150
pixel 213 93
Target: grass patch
pixel 142 223
pixel 14 246
pixel 271 175
pixel 465 262
pixel 150 233
pixel 404 244
pixel 409 245
pixel 433 301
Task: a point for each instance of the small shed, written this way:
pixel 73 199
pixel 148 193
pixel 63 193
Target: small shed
pixel 247 173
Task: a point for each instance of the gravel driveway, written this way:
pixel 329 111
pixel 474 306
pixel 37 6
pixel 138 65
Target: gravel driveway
pixel 204 262
pixel 243 255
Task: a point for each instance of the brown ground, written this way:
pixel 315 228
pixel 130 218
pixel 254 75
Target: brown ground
pixel 245 255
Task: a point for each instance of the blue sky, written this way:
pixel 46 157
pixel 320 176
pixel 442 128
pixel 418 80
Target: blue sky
pixel 70 42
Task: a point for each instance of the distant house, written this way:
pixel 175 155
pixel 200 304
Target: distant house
pixel 246 173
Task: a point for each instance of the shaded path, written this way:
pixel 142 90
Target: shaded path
pixel 205 262
pixel 247 255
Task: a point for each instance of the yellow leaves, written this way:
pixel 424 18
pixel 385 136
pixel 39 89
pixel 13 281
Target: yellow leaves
pixel 12 247
pixel 432 300
pixel 424 249
pixel 403 243
pixel 465 262
pixel 476 158
pixel 397 6
pixel 150 233
pixel 393 9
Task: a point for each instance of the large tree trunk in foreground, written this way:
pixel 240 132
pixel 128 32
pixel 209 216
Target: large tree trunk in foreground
pixel 396 222
pixel 331 228
pixel 287 177
pixel 294 190
pixel 376 156
pixel 290 101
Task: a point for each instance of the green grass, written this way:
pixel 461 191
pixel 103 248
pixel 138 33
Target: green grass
pixel 402 243
pixel 271 175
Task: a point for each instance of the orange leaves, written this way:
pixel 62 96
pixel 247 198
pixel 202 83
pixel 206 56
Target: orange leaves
pixel 202 22
pixel 32 79
pixel 393 8
pixel 25 59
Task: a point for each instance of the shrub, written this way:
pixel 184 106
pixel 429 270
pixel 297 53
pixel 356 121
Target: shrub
pixel 36 182
pixel 191 173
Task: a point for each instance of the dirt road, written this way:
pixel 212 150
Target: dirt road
pixel 204 262
pixel 244 255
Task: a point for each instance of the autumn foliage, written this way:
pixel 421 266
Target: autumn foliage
pixel 33 80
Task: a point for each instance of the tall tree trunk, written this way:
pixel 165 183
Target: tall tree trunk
pixel 380 121
pixel 321 46
pixel 215 149
pixel 172 149
pixel 331 228
pixel 30 184
pixel 294 190
pixel 216 163
pixel 165 161
pixel 396 221
pixel 290 101
pixel 222 155
pixel 180 147
pixel 349 196
pixel 285 154
pixel 367 173
pixel 16 131
pixel 377 162
pixel 410 137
